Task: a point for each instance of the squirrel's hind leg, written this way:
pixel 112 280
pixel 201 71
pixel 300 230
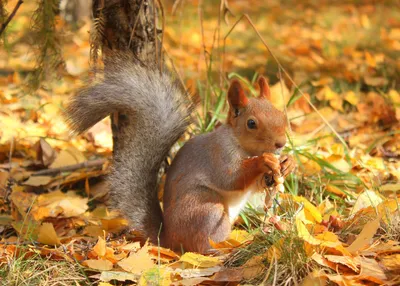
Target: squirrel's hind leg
pixel 198 216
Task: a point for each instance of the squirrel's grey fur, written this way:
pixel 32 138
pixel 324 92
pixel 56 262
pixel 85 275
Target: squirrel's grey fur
pixel 158 112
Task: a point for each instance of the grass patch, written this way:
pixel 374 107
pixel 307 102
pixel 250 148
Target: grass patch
pixel 29 268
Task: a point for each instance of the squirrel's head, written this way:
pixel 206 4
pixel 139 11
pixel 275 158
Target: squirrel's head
pixel 257 124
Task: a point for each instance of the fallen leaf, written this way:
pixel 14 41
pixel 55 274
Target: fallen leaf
pixel 98 264
pixel 37 181
pixel 366 199
pixel 198 260
pixel 345 260
pixel 69 156
pixel 47 234
pixel 391 262
pixel 235 239
pixel 45 153
pixel 107 276
pixel 100 247
pixel 58 203
pixel 364 238
pixel 137 262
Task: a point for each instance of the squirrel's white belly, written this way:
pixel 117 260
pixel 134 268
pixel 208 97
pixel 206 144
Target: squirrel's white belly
pixel 236 200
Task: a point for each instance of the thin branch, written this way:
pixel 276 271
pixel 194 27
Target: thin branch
pixel 4 25
pixel 87 164
pixel 134 25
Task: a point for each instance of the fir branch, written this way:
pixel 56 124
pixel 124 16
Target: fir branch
pixel 4 25
pixel 47 41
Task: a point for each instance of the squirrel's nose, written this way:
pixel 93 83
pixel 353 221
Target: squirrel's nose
pixel 280 143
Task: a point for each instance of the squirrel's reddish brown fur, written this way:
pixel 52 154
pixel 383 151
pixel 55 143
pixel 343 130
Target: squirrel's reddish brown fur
pixel 212 175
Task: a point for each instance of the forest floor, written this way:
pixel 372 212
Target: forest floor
pixel 333 68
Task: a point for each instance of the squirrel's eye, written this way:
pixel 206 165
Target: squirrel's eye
pixel 251 124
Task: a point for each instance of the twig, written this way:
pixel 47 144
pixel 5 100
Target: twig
pixel 4 25
pixel 134 25
pixel 87 164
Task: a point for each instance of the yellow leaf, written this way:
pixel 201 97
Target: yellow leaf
pixel 391 262
pixel 309 207
pixel 352 98
pixel 58 203
pixel 69 156
pixel 365 237
pixel 236 238
pixel 337 103
pixel 304 234
pixel 98 264
pixel 137 262
pixel 394 96
pixel 100 247
pixel 47 234
pixel 199 260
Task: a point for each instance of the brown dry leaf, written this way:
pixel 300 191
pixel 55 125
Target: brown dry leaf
pixel 47 234
pixel 69 156
pixel 137 262
pixel 254 267
pixel 98 264
pixel 365 237
pixel 37 181
pixel 21 199
pixel 198 260
pixel 3 181
pixel 45 153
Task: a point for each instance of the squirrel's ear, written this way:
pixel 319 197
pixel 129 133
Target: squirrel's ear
pixel 264 88
pixel 236 96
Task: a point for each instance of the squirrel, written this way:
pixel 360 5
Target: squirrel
pixel 211 176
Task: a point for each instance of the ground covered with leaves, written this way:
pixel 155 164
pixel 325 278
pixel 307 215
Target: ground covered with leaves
pixel 334 69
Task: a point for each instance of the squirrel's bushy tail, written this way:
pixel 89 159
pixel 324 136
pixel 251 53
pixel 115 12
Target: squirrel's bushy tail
pixel 158 113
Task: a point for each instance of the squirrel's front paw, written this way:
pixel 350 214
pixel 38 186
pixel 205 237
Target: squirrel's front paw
pixel 287 165
pixel 271 164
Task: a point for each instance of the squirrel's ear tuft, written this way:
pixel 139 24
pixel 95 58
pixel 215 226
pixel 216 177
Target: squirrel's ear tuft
pixel 236 96
pixel 264 88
